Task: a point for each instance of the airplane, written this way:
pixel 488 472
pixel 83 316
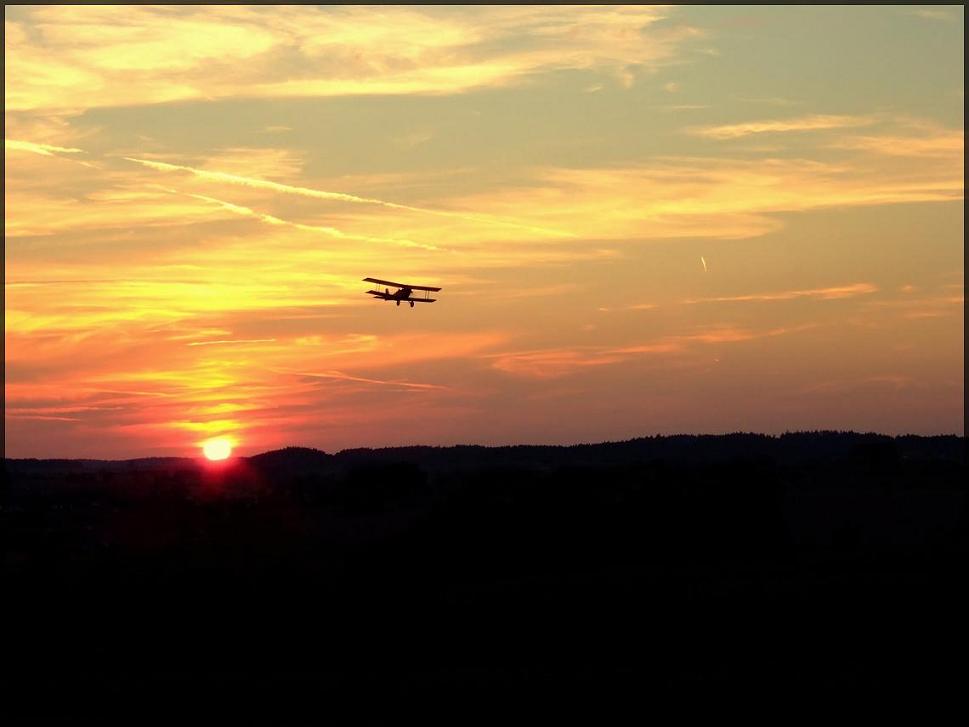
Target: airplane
pixel 403 292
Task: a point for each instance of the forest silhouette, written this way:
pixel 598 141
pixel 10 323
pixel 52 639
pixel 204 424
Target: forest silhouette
pixel 584 579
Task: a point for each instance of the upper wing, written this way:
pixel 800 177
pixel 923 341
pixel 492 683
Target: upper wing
pixel 401 285
pixel 384 282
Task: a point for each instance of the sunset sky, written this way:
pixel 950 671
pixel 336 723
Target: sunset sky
pixel 645 220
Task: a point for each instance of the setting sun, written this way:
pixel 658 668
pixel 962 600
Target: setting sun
pixel 216 449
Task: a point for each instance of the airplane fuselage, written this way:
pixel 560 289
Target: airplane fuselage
pixel 400 295
pixel 403 293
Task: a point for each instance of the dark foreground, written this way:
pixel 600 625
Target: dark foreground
pixel 510 584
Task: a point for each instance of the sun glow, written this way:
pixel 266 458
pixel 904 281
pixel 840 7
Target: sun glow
pixel 217 449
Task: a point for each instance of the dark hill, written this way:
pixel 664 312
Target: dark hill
pixel 787 449
pixel 792 448
pixel 684 569
pixel 291 459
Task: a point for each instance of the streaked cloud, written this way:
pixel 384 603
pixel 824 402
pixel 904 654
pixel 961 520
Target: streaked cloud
pixel 925 142
pixel 228 178
pixel 270 163
pixel 323 229
pixel 224 177
pixel 69 58
pixel 557 362
pixel 34 214
pixel 936 13
pixel 341 376
pixel 44 149
pixel 235 341
pixel 632 306
pixel 683 107
pixel 814 122
pixel 911 307
pixel 834 293
pixel 716 197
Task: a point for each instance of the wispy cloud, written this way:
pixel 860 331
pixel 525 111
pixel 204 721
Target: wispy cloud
pixel 255 183
pixel 717 197
pixel 268 185
pixel 683 107
pixel 553 363
pixel 923 141
pixel 38 214
pixel 323 229
pixel 632 306
pixel 341 376
pixel 833 293
pixel 895 382
pixel 813 122
pixel 44 149
pixel 59 57
pixel 940 14
pixel 931 306
pixel 771 101
pixel 232 341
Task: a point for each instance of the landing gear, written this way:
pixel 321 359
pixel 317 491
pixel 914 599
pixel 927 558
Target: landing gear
pixel 412 304
pixel 398 304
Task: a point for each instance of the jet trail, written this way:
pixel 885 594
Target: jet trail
pixel 231 341
pixel 341 376
pixel 44 149
pixel 335 196
pixel 331 231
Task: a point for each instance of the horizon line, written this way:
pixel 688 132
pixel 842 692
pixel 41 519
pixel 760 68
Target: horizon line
pixel 504 446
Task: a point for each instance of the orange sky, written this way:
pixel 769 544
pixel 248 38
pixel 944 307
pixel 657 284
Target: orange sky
pixel 645 220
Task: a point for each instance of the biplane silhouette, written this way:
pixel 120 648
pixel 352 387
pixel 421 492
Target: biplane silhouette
pixel 403 292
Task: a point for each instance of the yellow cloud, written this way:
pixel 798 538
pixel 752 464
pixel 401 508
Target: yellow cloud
pixel 67 58
pixel 232 341
pixel 557 362
pixel 38 214
pixel 341 376
pixel 260 162
pixel 813 122
pixel 44 149
pixel 833 293
pixel 218 176
pixel 324 229
pixel 944 143
pixel 710 197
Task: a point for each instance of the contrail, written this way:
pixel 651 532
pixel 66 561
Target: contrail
pixel 231 341
pixel 273 220
pixel 45 149
pixel 340 376
pixel 53 151
pixel 844 291
pixel 336 196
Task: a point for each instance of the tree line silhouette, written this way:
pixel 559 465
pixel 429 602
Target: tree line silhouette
pixel 806 563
